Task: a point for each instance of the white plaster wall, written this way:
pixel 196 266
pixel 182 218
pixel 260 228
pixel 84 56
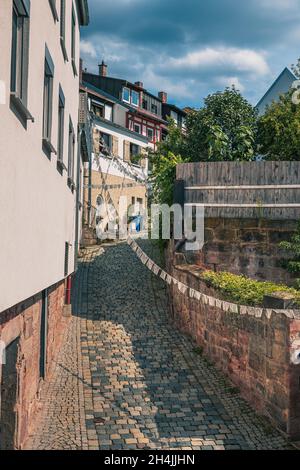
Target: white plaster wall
pixel 120 113
pixel 122 136
pixel 37 213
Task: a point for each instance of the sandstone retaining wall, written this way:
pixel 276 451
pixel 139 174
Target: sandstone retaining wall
pixel 254 347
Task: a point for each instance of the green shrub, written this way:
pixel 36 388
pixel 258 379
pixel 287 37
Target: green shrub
pixel 243 290
pixel 293 248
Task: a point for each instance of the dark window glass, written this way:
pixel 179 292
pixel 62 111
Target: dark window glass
pixel 73 36
pixel 48 91
pixel 19 51
pixel 61 120
pixel 154 109
pixel 106 142
pixel 63 19
pixel 71 153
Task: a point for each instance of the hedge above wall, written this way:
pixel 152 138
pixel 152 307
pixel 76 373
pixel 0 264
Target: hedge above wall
pixel 243 290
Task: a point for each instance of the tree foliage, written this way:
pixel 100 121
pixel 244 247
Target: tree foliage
pixel 163 165
pixel 279 130
pixel 224 129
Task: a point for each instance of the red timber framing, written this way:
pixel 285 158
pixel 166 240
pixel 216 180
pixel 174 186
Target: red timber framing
pixel 145 124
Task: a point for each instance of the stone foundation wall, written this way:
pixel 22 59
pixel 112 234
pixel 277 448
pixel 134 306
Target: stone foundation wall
pixel 253 347
pixel 23 322
pixel 246 246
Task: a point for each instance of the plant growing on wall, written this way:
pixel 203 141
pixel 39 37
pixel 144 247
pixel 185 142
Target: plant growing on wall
pixel 293 247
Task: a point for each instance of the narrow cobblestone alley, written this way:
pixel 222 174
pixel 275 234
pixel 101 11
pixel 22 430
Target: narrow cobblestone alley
pixel 126 379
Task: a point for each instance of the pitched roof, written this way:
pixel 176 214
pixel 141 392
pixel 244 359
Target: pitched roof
pixel 287 71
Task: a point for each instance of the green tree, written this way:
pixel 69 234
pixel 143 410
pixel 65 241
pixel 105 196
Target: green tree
pixel 224 129
pixel 279 130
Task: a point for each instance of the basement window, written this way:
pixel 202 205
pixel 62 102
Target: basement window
pixel 66 259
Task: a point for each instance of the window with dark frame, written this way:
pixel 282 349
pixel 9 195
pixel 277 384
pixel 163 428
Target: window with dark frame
pixel 135 98
pixel 53 9
pixel 66 267
pixel 19 56
pixel 61 127
pixel 154 108
pixel 63 28
pixel 71 156
pixel 98 109
pixel 106 142
pixel 137 128
pixel 134 150
pixel 73 42
pixel 150 133
pixel 48 102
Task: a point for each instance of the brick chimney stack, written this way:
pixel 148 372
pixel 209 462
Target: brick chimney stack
pixel 103 69
pixel 163 96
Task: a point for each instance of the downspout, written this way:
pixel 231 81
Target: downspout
pixel 77 198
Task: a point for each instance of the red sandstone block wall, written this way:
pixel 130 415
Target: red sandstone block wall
pixel 255 353
pixel 246 246
pixel 24 321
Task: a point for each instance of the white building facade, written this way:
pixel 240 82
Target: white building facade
pixel 39 164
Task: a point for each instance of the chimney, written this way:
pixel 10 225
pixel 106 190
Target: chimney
pixel 139 84
pixel 103 69
pixel 163 96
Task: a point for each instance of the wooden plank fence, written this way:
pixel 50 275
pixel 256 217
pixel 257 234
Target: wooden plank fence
pixel 243 189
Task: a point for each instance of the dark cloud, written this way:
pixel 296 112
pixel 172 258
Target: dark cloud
pixel 194 44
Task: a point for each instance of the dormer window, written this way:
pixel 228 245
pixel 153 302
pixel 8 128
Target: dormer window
pixel 135 98
pixel 154 108
pixel 131 96
pixel 126 95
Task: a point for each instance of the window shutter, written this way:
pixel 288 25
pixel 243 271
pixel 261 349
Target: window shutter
pixel 115 146
pixel 126 151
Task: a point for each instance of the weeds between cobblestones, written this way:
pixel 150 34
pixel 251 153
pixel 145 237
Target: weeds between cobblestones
pixel 126 379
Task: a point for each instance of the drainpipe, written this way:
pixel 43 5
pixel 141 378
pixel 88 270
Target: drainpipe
pixel 77 198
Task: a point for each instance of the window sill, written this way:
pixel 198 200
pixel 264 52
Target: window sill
pixel 54 10
pixel 61 167
pixel 74 68
pixel 71 184
pixel 64 50
pixel 20 107
pixel 48 146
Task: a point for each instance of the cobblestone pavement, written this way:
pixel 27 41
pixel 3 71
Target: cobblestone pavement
pixel 126 379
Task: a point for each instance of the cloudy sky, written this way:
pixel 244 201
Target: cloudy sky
pixel 190 48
